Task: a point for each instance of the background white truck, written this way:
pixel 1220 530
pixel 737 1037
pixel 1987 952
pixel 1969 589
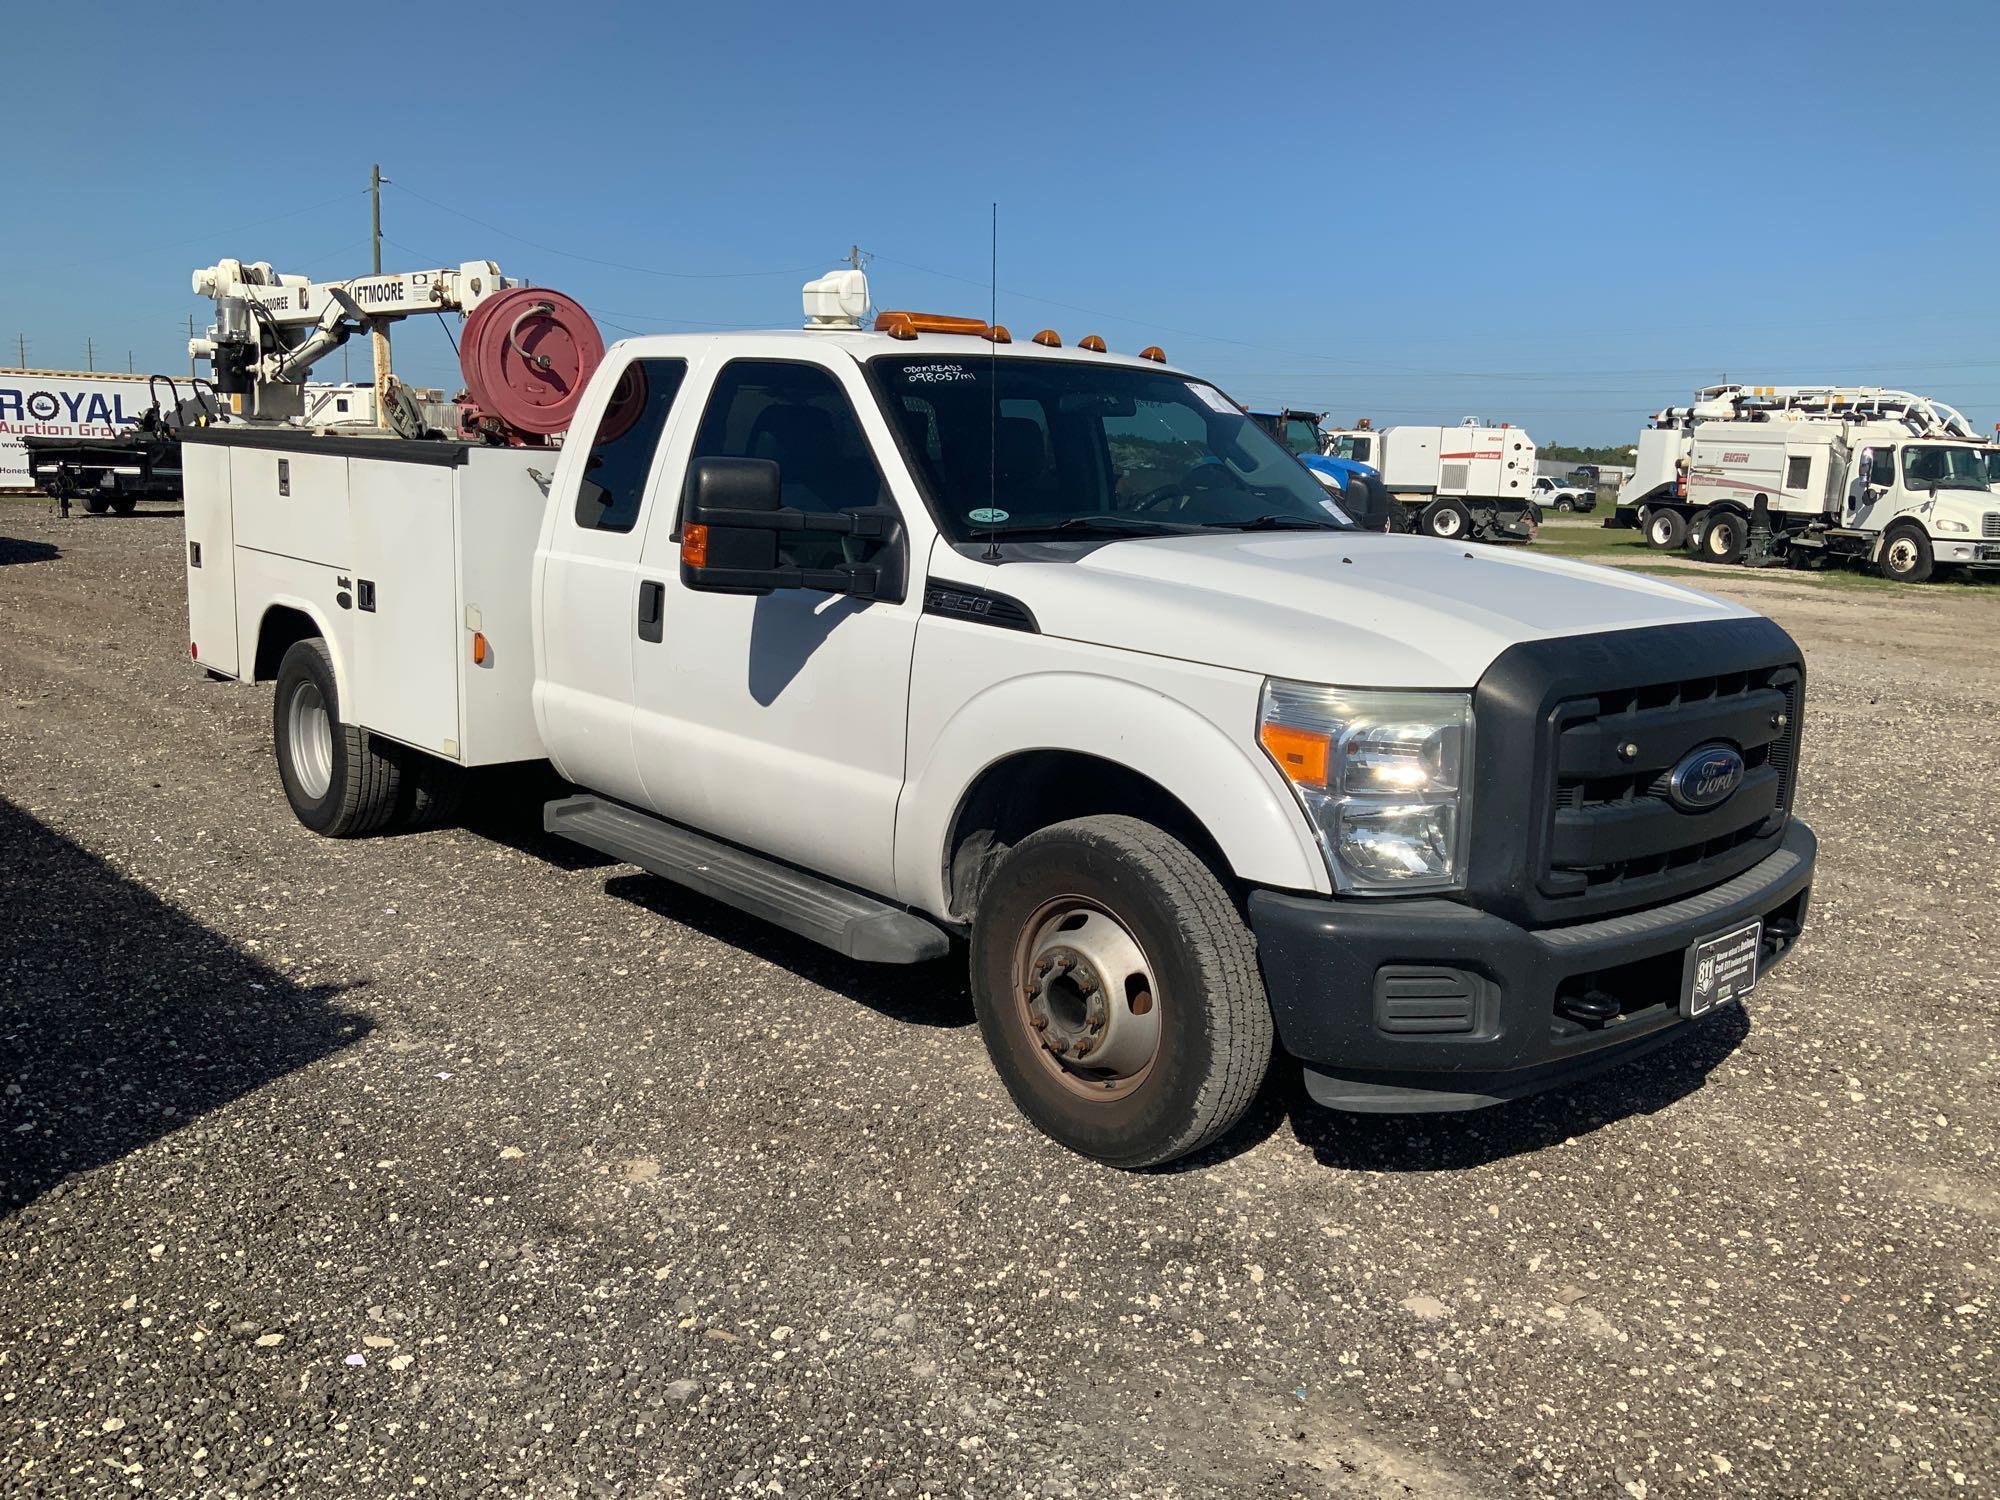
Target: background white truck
pixel 1806 474
pixel 910 636
pixel 1472 480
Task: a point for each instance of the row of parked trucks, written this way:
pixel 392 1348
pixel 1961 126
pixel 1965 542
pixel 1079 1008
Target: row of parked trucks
pixel 920 641
pixel 1804 475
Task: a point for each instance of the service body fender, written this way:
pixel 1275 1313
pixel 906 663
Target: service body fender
pixel 980 695
pixel 324 622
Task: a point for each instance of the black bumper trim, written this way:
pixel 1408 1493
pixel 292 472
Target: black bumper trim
pixel 1320 959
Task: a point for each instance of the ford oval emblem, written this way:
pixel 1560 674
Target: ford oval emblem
pixel 1705 778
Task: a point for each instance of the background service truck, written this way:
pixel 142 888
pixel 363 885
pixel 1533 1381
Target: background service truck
pixel 902 635
pixel 1472 480
pixel 1806 474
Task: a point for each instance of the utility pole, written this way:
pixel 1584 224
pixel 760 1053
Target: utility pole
pixel 21 342
pixel 383 367
pixel 89 354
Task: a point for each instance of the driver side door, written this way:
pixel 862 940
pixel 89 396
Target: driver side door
pixel 777 720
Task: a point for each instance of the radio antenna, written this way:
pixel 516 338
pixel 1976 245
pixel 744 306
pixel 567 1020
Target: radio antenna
pixel 992 552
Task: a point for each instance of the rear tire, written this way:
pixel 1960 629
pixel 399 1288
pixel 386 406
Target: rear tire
pixel 1906 555
pixel 340 781
pixel 433 790
pixel 1163 974
pixel 1666 530
pixel 1448 520
pixel 1720 537
pixel 124 505
pixel 96 504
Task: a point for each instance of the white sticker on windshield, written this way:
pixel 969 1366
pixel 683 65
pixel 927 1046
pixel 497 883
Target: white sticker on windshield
pixel 1334 510
pixel 986 516
pixel 1213 399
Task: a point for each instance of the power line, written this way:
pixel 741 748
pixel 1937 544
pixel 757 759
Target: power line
pixel 593 260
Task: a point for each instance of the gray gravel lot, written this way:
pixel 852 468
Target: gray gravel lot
pixel 453 1163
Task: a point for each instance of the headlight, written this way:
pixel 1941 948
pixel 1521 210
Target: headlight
pixel 1946 523
pixel 1381 775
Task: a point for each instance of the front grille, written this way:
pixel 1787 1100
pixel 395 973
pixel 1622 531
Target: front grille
pixel 1990 524
pixel 1614 830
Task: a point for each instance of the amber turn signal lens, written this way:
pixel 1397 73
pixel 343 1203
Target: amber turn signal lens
pixel 907 325
pixel 1300 753
pixel 694 546
pixel 479 648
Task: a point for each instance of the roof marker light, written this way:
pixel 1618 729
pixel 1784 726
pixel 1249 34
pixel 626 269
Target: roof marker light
pixel 998 334
pixel 907 325
pixel 1155 353
pixel 1091 342
pixel 1048 338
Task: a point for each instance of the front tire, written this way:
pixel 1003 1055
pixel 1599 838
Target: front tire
pixel 340 782
pixel 1117 989
pixel 1906 555
pixel 1565 505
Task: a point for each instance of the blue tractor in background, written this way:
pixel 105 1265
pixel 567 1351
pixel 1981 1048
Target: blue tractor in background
pixel 1359 486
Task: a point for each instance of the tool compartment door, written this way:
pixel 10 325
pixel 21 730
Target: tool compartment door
pixel 405 633
pixel 211 557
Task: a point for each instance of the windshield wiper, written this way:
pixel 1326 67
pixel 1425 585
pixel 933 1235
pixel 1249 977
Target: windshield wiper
pixel 1276 523
pixel 1109 524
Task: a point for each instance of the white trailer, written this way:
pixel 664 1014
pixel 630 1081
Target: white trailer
pixel 63 404
pixel 1804 474
pixel 1475 479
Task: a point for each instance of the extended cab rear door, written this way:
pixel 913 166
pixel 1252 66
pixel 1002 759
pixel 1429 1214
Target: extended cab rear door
pixel 587 580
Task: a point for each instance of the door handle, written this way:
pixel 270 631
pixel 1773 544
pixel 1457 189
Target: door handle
pixel 652 609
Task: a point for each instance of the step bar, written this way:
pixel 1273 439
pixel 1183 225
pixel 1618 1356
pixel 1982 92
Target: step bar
pixel 844 920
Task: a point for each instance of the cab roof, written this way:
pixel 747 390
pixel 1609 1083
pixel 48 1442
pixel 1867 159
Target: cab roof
pixel 863 345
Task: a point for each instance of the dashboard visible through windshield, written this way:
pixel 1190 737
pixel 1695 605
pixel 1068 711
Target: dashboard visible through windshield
pixel 1030 447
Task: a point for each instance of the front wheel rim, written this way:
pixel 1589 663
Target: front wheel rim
pixel 1446 523
pixel 1902 555
pixel 309 729
pixel 1085 993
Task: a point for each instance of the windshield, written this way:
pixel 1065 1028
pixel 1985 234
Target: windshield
pixel 1013 446
pixel 1355 448
pixel 1928 466
pixel 1991 456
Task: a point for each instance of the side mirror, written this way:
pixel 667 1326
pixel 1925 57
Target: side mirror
pixel 731 517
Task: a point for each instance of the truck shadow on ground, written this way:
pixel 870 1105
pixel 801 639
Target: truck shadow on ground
pixel 1454 1142
pixel 15 550
pixel 121 1019
pixel 931 994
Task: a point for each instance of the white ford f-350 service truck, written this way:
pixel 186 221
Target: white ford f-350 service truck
pixel 902 636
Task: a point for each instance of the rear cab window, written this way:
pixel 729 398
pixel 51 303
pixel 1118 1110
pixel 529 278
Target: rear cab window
pixel 615 471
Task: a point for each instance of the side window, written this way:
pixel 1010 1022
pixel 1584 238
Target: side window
pixel 798 417
pixel 621 454
pixel 1798 471
pixel 1882 470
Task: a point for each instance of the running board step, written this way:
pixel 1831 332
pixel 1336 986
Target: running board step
pixel 844 920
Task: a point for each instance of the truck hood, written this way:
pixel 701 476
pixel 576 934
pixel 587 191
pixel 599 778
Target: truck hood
pixel 1360 609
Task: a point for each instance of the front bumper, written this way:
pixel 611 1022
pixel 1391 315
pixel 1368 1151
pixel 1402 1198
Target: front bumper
pixel 1423 1005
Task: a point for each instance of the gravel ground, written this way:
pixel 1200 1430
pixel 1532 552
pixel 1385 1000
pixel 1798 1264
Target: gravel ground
pixel 453 1163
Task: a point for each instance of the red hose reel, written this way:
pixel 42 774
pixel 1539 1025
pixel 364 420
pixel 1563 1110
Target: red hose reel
pixel 526 355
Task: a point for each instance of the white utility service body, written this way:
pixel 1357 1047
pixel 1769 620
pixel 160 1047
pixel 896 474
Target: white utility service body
pixel 884 767
pixel 1470 479
pixel 1879 476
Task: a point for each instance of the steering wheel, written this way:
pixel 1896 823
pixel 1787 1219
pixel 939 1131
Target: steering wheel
pixel 1202 479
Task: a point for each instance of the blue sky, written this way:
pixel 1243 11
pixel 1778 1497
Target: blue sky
pixel 1561 216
